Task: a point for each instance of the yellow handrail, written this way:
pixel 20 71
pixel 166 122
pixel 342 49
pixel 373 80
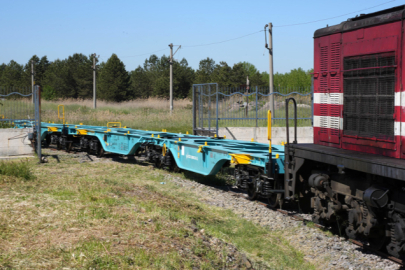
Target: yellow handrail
pixel 269 129
pixel 63 113
pixel 114 124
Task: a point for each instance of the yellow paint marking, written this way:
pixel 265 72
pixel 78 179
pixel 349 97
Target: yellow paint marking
pixel 52 129
pixel 82 131
pixel 241 158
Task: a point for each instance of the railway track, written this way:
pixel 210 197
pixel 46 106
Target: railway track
pixel 299 218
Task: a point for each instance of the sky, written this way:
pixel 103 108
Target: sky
pixel 135 29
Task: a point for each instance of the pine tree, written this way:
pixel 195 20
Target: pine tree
pixel 114 81
pixel 222 74
pixel 12 75
pixel 56 79
pixel 205 70
pixel 140 84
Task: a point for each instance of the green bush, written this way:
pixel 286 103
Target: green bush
pixel 21 169
pixel 48 93
pixel 4 124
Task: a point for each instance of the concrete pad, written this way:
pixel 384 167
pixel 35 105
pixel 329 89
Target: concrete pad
pixel 259 134
pixel 14 142
pixel 15 157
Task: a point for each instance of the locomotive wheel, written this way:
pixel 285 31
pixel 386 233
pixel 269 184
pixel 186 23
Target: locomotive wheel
pixel 274 200
pixel 378 243
pixel 251 191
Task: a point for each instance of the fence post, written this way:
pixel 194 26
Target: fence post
pixel 256 106
pixel 209 110
pixel 194 108
pixel 247 104
pixel 37 99
pixel 217 131
pixel 201 107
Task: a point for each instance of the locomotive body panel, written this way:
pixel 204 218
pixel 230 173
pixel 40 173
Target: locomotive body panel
pixel 381 166
pixel 355 170
pixel 358 86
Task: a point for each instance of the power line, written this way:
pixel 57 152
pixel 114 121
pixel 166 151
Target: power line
pixel 219 42
pixel 189 46
pixel 141 54
pixel 335 16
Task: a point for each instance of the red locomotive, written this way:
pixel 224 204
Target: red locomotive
pixel 355 170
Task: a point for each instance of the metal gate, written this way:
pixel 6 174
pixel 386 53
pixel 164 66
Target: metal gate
pixel 20 104
pixel 245 107
pixel 205 118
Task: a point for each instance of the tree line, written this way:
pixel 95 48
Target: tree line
pixel 73 77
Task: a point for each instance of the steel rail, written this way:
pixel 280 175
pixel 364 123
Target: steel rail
pixel 298 218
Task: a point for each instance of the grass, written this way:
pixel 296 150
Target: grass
pixel 153 113
pixel 117 215
pixel 20 169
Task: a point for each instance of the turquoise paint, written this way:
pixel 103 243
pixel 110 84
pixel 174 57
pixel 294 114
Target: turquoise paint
pixel 208 162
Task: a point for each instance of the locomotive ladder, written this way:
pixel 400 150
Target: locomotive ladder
pixel 290 164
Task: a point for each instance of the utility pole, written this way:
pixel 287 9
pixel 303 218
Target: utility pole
pixel 270 48
pixel 32 79
pixel 94 81
pixel 171 77
pixel 171 74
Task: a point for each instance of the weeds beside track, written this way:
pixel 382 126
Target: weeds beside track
pixel 118 215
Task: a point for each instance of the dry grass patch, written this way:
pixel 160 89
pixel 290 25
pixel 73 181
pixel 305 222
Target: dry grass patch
pixel 116 215
pixel 146 114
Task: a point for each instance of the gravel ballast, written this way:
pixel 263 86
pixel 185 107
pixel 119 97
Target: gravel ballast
pixel 323 250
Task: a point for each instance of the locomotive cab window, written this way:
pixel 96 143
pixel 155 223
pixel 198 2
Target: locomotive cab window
pixel 369 94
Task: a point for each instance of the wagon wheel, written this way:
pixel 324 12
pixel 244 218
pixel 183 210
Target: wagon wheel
pixel 158 163
pixel 58 146
pixel 47 142
pixel 251 191
pixel 68 147
pixel 88 149
pixel 274 200
pixel 175 168
pixel 101 152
